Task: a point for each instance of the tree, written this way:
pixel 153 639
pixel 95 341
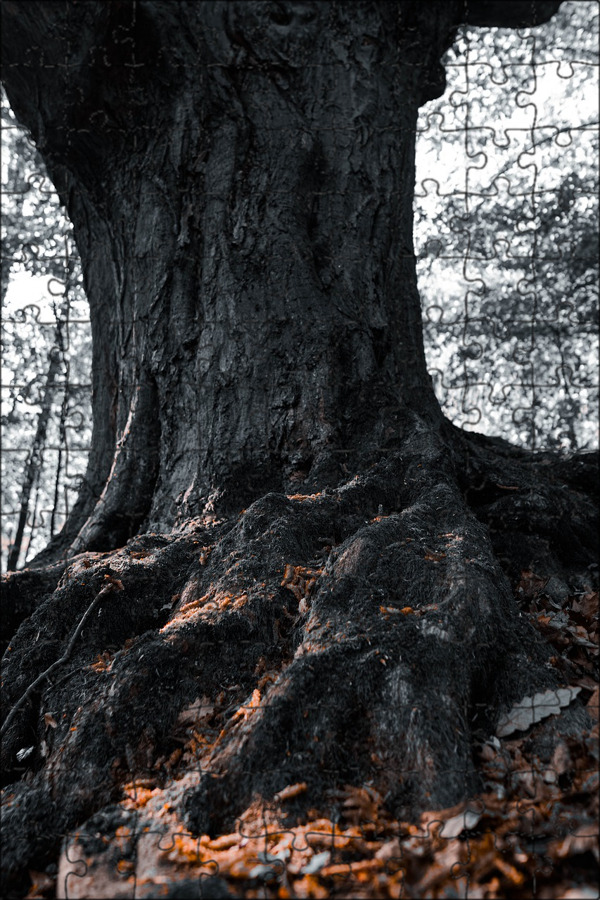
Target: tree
pixel 34 462
pixel 274 505
pixel 44 361
pixel 522 226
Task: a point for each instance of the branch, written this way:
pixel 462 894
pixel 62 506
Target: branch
pixel 516 14
pixel 113 584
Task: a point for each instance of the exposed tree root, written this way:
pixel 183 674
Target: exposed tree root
pixel 22 593
pixel 362 635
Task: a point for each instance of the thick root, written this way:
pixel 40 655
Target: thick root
pixel 365 635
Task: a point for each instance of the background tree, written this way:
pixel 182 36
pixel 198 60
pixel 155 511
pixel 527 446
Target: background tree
pixel 45 352
pixel 506 232
pixel 240 180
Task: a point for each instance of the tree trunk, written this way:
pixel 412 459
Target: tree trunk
pixel 35 458
pixel 240 179
pixel 243 210
pixel 245 226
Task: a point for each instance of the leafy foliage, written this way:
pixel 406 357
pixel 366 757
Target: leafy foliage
pixel 507 234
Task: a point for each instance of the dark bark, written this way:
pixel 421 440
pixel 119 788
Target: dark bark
pixel 243 208
pixel 240 181
pixel 254 265
pixel 373 619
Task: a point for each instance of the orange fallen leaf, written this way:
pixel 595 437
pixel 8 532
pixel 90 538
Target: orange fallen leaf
pixel 291 791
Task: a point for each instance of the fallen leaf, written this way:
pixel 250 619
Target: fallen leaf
pixel 40 883
pixel 467 819
pixel 319 861
pixel 291 791
pixel 533 709
pixel 584 840
pixel 201 708
pixel 593 703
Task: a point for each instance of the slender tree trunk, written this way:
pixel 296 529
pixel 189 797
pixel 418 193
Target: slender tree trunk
pixel 34 459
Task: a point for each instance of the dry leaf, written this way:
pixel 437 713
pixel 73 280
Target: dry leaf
pixel 201 708
pixel 530 710
pixel 454 826
pixel 291 791
pixel 593 703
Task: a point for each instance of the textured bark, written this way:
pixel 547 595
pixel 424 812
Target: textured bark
pixel 245 228
pixel 240 180
pixel 331 576
pixel 365 634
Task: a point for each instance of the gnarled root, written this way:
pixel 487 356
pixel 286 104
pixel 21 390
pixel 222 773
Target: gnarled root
pixel 362 635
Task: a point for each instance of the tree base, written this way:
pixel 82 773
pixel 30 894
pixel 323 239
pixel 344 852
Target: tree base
pixel 364 635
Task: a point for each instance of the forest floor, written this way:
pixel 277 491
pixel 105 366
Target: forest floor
pixel 532 831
